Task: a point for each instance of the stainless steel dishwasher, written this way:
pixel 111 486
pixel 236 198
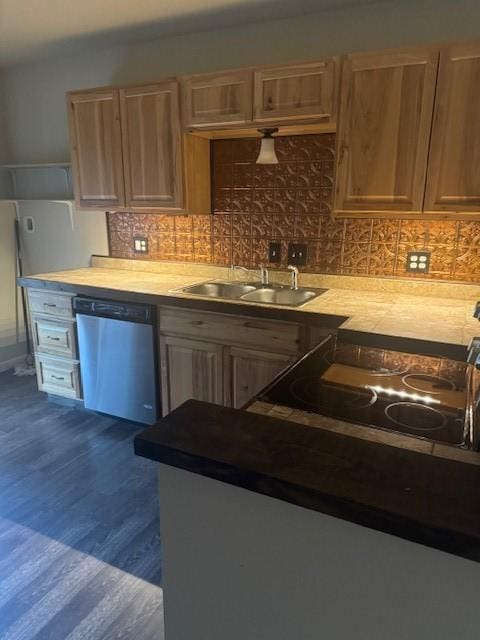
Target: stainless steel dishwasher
pixel 116 343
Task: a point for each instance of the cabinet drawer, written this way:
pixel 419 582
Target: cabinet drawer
pixel 54 336
pixel 53 304
pixel 57 376
pixel 267 335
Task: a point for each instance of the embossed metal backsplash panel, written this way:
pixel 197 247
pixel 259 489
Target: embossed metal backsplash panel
pixel 291 202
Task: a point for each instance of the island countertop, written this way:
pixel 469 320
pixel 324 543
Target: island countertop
pixel 419 310
pixel 431 500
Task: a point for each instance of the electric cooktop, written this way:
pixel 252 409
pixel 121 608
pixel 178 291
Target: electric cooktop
pixel 420 395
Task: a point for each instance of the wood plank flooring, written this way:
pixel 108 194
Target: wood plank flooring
pixel 79 529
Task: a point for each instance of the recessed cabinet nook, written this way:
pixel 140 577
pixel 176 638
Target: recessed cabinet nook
pixel 408 135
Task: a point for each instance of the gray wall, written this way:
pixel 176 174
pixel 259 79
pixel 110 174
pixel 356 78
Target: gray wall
pixel 36 128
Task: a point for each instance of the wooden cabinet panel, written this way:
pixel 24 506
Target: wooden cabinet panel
pixel 218 98
pixel 249 371
pixel 96 146
pixel 272 335
pixel 295 92
pixel 453 181
pixel 152 146
pixel 190 369
pixel 58 376
pixel 54 336
pixel 384 130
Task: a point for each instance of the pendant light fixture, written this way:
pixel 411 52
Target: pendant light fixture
pixel 267 153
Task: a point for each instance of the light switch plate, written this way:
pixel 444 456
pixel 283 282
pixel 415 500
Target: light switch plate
pixel 140 244
pixel 418 262
pixel 275 252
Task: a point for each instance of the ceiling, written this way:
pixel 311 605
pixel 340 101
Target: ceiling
pixel 32 29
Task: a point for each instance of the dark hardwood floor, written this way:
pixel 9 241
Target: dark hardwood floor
pixel 79 531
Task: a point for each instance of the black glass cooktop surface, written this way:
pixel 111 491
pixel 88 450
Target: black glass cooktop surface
pixel 419 395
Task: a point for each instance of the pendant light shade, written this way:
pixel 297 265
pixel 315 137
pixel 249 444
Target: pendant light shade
pixel 267 153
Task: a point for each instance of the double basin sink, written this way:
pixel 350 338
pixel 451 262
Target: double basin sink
pixel 254 292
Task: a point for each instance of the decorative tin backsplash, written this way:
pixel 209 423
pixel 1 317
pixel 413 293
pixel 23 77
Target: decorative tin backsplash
pixel 291 202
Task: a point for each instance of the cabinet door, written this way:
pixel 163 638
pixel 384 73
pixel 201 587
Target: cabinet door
pixel 152 146
pixel 96 147
pixel 249 371
pixel 384 130
pixel 218 99
pixel 190 369
pixel 295 92
pixel 453 181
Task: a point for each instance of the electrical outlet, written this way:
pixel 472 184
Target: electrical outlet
pixel 418 262
pixel 140 244
pixel 297 254
pixel 275 252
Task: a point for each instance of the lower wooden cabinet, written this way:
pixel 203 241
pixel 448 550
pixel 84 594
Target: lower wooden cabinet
pixel 221 358
pixel 249 372
pixel 54 337
pixel 190 369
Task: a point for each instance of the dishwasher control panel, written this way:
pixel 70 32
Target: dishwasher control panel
pixel 111 309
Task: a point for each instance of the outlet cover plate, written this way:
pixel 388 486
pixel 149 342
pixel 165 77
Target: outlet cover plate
pixel 140 244
pixel 297 254
pixel 418 262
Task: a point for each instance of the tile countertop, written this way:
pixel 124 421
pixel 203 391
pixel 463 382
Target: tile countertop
pixel 429 311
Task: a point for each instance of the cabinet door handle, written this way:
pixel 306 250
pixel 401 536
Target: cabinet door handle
pixel 53 338
pixel 49 304
pixel 57 377
pixel 198 323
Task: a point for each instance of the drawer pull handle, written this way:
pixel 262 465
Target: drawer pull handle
pixel 49 304
pixel 53 338
pixel 58 377
pixel 197 323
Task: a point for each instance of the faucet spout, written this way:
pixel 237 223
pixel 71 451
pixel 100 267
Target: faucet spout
pixel 294 271
pixel 263 275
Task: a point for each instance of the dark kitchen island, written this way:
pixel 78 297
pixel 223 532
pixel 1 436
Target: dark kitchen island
pixel 274 529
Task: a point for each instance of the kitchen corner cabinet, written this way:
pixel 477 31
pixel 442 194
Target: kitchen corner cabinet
pixel 296 92
pixel 128 151
pixel 96 148
pixel 221 358
pixel 453 181
pixel 216 99
pixel 383 133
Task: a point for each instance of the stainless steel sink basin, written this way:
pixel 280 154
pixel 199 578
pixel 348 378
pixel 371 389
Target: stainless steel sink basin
pixel 232 290
pixel 253 292
pixel 287 297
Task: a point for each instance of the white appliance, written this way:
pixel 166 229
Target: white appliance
pixel 55 236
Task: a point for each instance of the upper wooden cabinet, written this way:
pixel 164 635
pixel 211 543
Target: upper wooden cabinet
pixel 453 182
pixel 217 99
pixel 296 92
pixel 386 108
pixel 152 146
pixel 128 151
pixel 96 146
